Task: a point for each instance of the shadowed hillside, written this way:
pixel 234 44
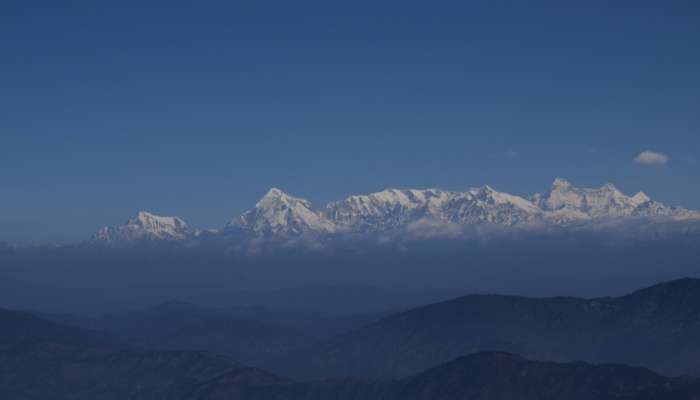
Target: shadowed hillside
pixel 658 327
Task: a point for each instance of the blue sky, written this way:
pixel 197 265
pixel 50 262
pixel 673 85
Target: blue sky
pixel 196 108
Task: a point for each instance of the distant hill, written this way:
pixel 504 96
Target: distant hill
pixel 657 327
pixel 247 334
pixel 483 376
pixel 43 360
pixel 179 325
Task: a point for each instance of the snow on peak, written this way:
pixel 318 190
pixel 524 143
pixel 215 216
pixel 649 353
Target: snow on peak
pixel 386 210
pixel 561 183
pixel 276 197
pixel 565 202
pixel 279 213
pixel 609 187
pixel 640 198
pixel 145 225
pixel 484 204
pixel 156 223
pixel 489 195
pixel 392 208
pixel 485 190
pixel 275 193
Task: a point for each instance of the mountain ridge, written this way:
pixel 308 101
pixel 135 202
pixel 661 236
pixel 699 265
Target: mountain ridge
pixel 280 215
pixel 656 327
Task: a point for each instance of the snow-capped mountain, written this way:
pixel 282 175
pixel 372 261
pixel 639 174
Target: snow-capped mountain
pixel 385 210
pixel 279 214
pixel 485 205
pixel 394 208
pixel 146 226
pixel 564 202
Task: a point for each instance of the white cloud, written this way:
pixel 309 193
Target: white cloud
pixel 651 158
pixel 428 228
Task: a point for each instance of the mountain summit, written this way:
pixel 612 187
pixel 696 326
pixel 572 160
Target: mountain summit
pixel 278 213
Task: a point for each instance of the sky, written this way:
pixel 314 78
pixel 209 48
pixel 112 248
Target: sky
pixel 195 109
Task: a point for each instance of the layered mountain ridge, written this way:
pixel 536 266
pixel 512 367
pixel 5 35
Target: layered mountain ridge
pixel 40 359
pixel 279 214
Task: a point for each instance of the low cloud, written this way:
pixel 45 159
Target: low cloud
pixel 651 158
pixel 428 228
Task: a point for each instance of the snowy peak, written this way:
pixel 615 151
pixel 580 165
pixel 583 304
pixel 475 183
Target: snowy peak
pixel 277 195
pixel 493 197
pixel 276 198
pixel 560 184
pixel 565 202
pixel 385 210
pixel 155 223
pixel 640 198
pixel 484 204
pixel 145 226
pixel 279 213
pixel 394 208
pixel 388 199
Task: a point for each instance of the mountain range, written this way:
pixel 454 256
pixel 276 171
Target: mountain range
pixel 44 360
pixel 437 351
pixel 280 215
pixel 657 327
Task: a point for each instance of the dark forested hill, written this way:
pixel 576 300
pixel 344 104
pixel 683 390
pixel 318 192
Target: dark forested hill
pixel 657 327
pixel 483 376
pixel 247 334
pixel 43 360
